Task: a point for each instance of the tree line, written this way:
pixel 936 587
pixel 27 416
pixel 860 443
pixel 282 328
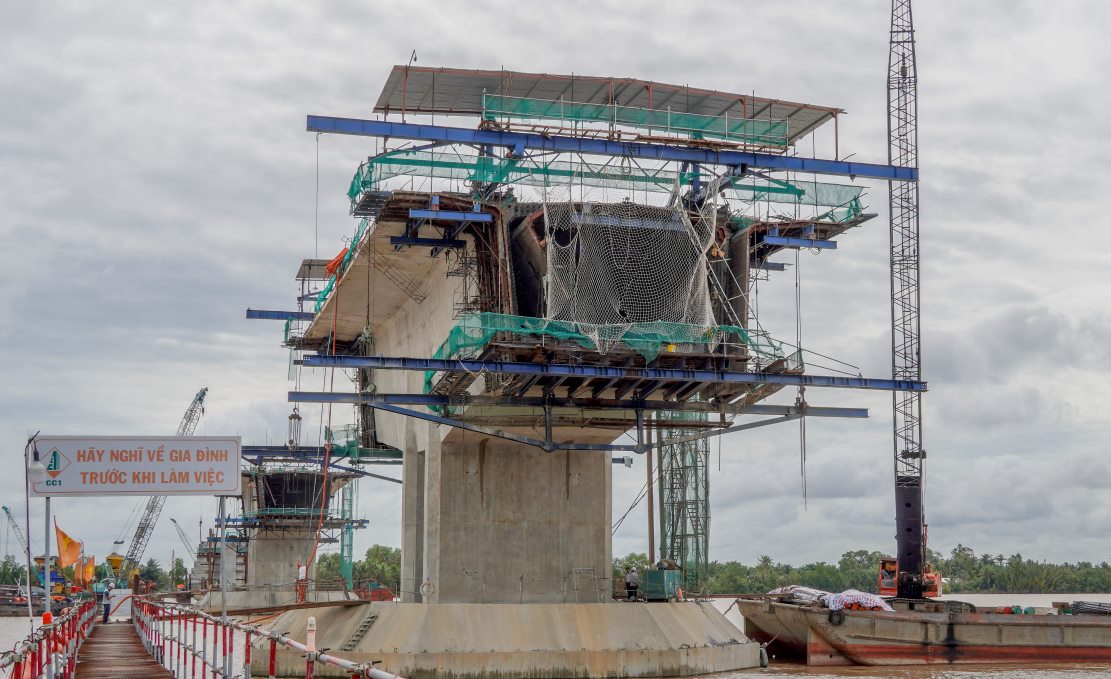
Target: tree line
pixel 13 570
pixel 963 569
pixel 381 565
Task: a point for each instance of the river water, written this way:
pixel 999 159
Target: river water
pixel 14 629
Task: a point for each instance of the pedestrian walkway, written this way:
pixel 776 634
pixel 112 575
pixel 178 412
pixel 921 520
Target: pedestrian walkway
pixel 115 650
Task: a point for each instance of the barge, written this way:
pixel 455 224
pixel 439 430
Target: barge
pixel 923 632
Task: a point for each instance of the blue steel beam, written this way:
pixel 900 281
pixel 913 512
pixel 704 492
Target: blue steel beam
pixel 264 315
pixel 499 433
pixel 799 242
pixel 552 446
pixel 315 454
pixel 437 400
pixel 450 234
pixel 726 430
pixel 654 374
pixel 451 215
pixel 605 147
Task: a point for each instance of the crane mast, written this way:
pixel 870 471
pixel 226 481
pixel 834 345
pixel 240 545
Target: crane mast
pixel 17 529
pixel 902 150
pixel 184 538
pixel 149 518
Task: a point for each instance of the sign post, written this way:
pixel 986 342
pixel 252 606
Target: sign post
pixel 47 581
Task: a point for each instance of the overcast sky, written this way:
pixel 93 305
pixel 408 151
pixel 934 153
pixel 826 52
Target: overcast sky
pixel 157 180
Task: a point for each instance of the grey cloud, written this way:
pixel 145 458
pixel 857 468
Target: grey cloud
pixel 157 180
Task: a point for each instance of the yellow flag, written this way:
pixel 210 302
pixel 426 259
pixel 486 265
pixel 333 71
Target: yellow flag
pixel 90 569
pixel 69 550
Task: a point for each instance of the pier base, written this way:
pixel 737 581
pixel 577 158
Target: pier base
pixel 468 641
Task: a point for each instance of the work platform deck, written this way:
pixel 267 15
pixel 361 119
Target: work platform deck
pixel 587 387
pixel 115 650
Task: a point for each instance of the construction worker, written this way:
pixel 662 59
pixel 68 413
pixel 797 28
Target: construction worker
pixel 302 583
pixel 632 583
pixel 107 604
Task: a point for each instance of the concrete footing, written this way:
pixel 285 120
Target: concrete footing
pixel 458 641
pixel 210 602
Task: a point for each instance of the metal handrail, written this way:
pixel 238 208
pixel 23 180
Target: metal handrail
pixel 168 636
pixel 51 650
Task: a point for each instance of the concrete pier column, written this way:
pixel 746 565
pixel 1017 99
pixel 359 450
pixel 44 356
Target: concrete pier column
pixel 412 518
pixel 509 523
pixel 429 587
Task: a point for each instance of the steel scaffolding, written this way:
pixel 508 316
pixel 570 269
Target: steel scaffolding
pixel 347 534
pixel 685 500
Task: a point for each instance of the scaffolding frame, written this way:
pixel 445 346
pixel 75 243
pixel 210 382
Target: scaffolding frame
pixel 685 498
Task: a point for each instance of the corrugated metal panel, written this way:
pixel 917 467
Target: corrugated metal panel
pixel 452 91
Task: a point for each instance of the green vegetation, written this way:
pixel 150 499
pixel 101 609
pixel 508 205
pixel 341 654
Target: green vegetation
pixel 964 570
pixel 382 565
pixel 12 571
pixel 967 572
pixel 167 580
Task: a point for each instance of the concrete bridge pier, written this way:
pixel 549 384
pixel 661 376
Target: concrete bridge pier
pixel 486 520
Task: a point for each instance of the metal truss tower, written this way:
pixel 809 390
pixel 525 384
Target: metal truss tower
pixel 347 535
pixel 685 501
pixel 902 133
pixel 153 509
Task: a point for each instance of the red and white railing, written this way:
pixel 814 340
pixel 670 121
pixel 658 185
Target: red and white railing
pixel 178 637
pixel 50 652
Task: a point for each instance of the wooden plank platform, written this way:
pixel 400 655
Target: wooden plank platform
pixel 115 650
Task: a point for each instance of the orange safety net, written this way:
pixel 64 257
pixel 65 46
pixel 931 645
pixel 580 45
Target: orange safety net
pixel 333 266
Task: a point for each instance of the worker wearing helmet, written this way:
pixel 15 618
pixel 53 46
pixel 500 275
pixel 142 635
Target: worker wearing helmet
pixel 632 583
pixel 107 604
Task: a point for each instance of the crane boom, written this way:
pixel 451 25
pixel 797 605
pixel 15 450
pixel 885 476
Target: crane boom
pixel 906 355
pixel 145 528
pixel 18 530
pixel 184 538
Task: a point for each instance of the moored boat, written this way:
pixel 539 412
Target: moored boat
pixel 923 632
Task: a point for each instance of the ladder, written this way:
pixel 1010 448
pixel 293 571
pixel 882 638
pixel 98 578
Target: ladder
pixel 361 630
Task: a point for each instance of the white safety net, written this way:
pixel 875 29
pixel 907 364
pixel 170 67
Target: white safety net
pixel 616 263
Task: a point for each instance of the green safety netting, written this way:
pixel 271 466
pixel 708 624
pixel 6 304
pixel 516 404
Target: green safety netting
pixel 360 231
pixel 763 132
pixel 616 174
pixel 350 447
pixel 475 330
